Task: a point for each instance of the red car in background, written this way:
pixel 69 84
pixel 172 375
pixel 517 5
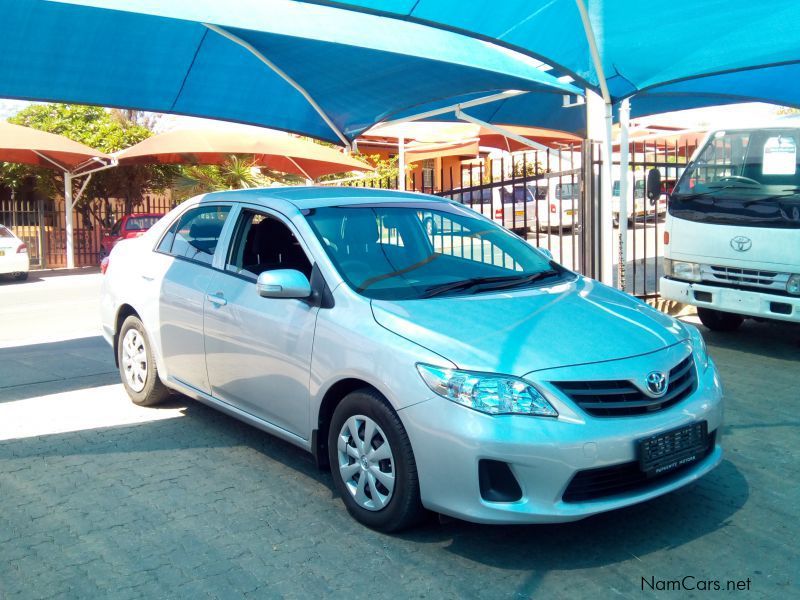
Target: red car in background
pixel 129 226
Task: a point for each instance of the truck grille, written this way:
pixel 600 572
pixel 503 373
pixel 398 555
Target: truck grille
pixel 620 398
pixel 770 280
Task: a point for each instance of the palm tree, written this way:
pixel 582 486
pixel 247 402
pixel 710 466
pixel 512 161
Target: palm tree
pixel 235 173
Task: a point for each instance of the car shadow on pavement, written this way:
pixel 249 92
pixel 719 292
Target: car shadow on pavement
pixel 207 450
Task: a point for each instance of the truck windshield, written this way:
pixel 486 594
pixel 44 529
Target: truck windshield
pixel 744 177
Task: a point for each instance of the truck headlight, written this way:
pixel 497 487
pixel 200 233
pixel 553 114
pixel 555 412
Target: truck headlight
pixel 793 285
pixel 688 271
pixel 486 392
pixel 698 346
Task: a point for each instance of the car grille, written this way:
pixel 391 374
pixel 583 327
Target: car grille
pixel 770 280
pixel 620 398
pixel 594 484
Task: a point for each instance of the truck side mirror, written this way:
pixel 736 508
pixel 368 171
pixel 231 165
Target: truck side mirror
pixel 653 184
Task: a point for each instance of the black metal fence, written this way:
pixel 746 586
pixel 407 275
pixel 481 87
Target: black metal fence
pixel 41 223
pixel 643 264
pixel 552 199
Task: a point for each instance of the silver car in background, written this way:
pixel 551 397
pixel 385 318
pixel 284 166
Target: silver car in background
pixel 460 371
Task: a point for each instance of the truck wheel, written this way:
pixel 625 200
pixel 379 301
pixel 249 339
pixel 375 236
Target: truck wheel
pixel 717 320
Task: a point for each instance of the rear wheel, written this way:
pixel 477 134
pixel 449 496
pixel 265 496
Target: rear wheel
pixel 716 320
pixel 137 366
pixel 372 463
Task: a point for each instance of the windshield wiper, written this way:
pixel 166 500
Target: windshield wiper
pixel 514 281
pixel 793 191
pixel 484 283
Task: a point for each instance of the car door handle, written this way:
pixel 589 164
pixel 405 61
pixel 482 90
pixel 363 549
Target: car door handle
pixel 217 299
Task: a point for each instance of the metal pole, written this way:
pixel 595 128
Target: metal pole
pixel 624 118
pixel 68 219
pixel 401 164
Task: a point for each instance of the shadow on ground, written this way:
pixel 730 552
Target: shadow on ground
pixel 55 367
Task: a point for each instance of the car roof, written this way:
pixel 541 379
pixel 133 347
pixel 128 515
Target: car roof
pixel 317 196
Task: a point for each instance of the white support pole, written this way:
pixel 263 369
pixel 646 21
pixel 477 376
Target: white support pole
pixel 606 226
pixel 509 135
pixel 401 164
pixel 624 122
pixel 286 77
pixel 448 109
pixel 68 219
pixel 598 130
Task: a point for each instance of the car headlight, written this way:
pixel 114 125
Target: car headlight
pixel 698 345
pixel 486 392
pixel 688 271
pixel 793 285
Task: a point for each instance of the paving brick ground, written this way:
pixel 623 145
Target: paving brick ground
pixel 101 499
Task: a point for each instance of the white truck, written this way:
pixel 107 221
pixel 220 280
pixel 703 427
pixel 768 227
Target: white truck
pixel 732 234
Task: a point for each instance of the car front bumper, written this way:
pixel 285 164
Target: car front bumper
pixel 748 303
pixel 544 455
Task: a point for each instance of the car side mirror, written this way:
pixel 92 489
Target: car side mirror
pixel 653 184
pixel 283 283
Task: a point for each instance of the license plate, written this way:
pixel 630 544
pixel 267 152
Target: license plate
pixel 570 212
pixel 670 450
pixel 2 252
pixel 519 213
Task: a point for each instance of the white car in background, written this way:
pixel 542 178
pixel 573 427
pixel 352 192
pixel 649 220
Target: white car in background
pixel 638 205
pixel 551 206
pixel 14 259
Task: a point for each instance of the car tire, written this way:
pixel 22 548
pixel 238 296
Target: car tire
pixel 137 366
pixel 366 413
pixel 716 320
pixel 22 276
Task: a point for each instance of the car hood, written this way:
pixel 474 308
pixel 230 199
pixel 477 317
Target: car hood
pixel 521 331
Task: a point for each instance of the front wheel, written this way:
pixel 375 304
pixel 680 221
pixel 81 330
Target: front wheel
pixel 21 276
pixel 717 320
pixel 137 366
pixel 372 463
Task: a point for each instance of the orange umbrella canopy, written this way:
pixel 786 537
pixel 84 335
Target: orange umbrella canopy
pixel 20 144
pixel 274 150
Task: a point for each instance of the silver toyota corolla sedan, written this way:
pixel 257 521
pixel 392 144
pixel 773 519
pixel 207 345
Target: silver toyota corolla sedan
pixel 456 368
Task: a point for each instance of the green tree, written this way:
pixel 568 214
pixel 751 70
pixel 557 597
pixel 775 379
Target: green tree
pixel 237 172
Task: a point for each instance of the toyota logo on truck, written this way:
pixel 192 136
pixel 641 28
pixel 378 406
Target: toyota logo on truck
pixel 741 243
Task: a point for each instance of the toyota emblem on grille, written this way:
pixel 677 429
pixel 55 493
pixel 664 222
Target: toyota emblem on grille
pixel 741 243
pixel 656 383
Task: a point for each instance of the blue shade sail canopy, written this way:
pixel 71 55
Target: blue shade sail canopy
pixel 304 68
pixel 642 46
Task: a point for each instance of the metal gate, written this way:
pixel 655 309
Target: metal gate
pixel 40 223
pixel 23 213
pixel 645 235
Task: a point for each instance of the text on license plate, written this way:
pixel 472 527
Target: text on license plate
pixel 670 450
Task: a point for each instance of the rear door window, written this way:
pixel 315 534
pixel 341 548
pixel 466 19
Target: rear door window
pixel 195 234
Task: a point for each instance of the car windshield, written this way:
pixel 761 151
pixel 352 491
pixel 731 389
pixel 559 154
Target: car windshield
pixel 744 177
pixel 5 233
pixel 144 222
pixel 426 249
